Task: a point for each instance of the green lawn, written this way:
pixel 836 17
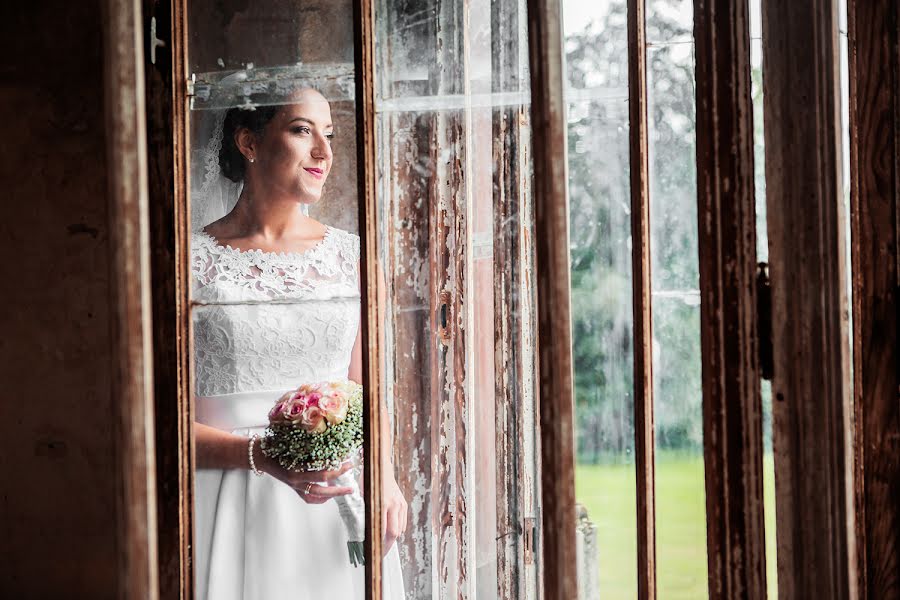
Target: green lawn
pixel 607 491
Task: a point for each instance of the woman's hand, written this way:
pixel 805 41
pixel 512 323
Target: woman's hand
pixel 394 515
pixel 311 486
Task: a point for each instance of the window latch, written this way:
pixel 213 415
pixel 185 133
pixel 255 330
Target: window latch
pixel 764 321
pixel 444 316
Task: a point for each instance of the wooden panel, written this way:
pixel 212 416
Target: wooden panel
pixel 732 403
pixel 132 357
pixel 513 331
pixel 643 325
pixel 60 470
pixel 811 384
pixel 554 325
pixel 413 327
pixel 452 355
pixel 168 253
pixel 875 219
pixel 371 323
pixel 412 331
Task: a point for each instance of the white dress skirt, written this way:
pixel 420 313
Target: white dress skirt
pixel 265 323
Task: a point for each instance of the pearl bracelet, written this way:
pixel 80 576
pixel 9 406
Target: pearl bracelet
pixel 253 468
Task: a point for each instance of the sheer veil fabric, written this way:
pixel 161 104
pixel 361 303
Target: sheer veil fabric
pixel 264 323
pixel 212 194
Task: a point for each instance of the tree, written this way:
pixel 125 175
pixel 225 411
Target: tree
pixel 597 63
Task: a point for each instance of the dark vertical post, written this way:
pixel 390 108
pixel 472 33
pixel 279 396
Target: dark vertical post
pixel 166 123
pixel 132 362
pixel 551 235
pixel 875 220
pixel 726 208
pixel 371 322
pixel 811 384
pixel 643 323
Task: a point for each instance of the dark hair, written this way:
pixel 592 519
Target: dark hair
pixel 231 161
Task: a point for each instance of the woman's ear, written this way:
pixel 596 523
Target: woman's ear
pixel 245 140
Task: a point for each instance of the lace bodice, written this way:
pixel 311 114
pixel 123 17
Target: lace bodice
pixel 271 321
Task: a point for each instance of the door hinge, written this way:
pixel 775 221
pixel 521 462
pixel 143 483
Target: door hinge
pixel 764 321
pixel 529 534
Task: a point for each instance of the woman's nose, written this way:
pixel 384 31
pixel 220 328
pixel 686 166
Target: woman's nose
pixel 322 148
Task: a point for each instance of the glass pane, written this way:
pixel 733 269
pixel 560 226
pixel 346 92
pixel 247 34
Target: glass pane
pixel 454 195
pixel 670 22
pixel 276 313
pixel 601 279
pixel 678 412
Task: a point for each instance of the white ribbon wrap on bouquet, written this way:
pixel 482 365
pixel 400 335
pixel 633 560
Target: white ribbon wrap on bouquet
pixel 352 507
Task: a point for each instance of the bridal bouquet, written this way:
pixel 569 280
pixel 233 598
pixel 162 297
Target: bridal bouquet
pixel 318 427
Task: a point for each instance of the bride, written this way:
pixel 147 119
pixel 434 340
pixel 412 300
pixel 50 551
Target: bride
pixel 277 305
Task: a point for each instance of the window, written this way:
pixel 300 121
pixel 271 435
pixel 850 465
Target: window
pixel 492 194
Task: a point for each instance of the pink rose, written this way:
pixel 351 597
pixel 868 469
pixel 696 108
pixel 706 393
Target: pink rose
pixel 334 406
pixel 276 413
pixel 293 411
pixel 312 420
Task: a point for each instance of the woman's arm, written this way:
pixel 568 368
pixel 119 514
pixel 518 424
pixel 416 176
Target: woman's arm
pixel 394 506
pixel 217 449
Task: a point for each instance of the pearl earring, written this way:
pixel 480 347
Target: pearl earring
pixel 252 159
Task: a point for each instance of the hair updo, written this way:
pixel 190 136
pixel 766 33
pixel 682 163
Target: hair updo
pixel 231 161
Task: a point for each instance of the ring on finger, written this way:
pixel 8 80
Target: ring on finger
pixel 308 487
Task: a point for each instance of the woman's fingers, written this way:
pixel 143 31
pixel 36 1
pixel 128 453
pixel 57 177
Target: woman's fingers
pixel 327 475
pixel 392 528
pixel 325 491
pixel 333 474
pixel 313 499
pixel 301 478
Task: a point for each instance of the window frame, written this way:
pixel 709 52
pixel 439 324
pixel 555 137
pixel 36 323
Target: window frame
pixel 733 485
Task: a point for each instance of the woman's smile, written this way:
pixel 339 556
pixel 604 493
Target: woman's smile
pixel 315 172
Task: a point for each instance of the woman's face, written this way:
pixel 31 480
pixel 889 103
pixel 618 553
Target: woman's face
pixel 293 155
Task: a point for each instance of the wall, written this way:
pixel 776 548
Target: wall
pixel 57 467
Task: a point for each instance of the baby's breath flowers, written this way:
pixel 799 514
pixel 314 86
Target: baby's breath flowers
pixel 318 427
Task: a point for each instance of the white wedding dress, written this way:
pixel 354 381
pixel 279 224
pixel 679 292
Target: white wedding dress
pixel 264 323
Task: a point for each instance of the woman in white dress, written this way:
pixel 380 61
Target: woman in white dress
pixel 278 305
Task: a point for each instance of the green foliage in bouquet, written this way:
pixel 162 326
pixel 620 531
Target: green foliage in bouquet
pixel 297 449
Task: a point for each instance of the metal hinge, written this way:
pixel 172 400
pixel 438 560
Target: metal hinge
pixel 764 321
pixel 529 534
pixel 155 42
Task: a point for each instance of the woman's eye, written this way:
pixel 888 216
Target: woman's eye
pixel 301 129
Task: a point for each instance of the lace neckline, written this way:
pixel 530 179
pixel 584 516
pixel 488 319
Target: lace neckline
pixel 256 252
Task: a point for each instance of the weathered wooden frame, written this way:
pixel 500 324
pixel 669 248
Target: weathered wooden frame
pixel 811 383
pixel 166 100
pixel 552 278
pixel 514 356
pixel 644 437
pixel 732 402
pixel 874 77
pixel 370 322
pixel 132 367
pixel 815 513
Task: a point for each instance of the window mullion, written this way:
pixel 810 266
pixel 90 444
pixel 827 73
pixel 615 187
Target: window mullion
pixel 643 330
pixel 732 402
pixel 554 325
